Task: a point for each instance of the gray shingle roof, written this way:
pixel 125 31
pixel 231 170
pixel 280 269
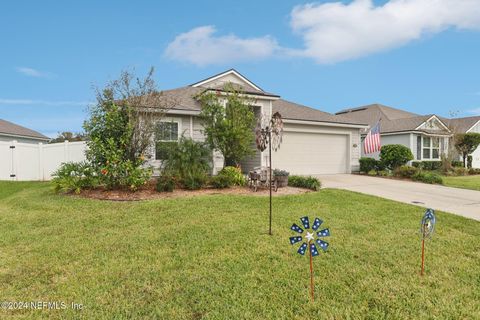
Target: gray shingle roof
pixel 462 125
pixel 9 128
pixel 295 111
pixel 392 120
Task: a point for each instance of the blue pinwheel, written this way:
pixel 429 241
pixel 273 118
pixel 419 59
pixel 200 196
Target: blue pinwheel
pixel 310 241
pixel 427 227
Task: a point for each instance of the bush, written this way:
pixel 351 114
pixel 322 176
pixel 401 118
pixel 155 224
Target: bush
pixel 372 173
pixel 194 180
pixel 474 171
pixel 367 164
pixel 460 171
pixel 383 173
pixel 234 174
pixel 221 181
pixel 456 164
pixel 431 165
pixel 469 161
pixel 417 164
pixel 405 171
pixel 75 176
pixel 166 183
pixel 189 161
pixel 304 182
pixel 428 177
pixel 280 173
pixel 395 155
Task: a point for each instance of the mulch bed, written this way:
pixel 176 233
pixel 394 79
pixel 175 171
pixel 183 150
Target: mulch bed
pixel 150 193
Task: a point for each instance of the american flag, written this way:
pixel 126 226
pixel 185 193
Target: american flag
pixel 372 143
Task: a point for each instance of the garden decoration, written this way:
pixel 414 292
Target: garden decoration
pixel 309 244
pixel 427 227
pixel 269 134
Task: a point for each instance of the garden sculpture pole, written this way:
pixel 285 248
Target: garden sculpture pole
pixel 427 226
pixel 270 169
pixel 309 243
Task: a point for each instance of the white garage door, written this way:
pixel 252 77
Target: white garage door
pixel 312 153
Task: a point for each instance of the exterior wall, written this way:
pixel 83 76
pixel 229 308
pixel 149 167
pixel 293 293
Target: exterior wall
pixel 19 139
pixel 403 139
pixel 476 153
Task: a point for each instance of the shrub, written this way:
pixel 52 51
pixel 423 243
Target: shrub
pixel 280 173
pixel 372 173
pixel 428 177
pixel 417 164
pixel 474 171
pixel 460 171
pixel 166 183
pixel 383 173
pixel 74 176
pixel 405 171
pixel 395 155
pixel 235 175
pixel 189 160
pixel 431 165
pixel 304 182
pixel 469 161
pixel 367 164
pixel 456 164
pixel 221 181
pixel 194 180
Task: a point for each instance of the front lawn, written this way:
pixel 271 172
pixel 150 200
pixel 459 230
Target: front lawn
pixel 465 182
pixel 209 257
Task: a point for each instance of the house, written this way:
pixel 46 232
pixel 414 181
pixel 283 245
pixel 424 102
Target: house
pixel 10 131
pixel 314 142
pixel 466 125
pixel 427 136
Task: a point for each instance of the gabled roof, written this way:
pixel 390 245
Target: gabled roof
pixel 462 125
pixel 12 129
pixel 249 84
pixel 392 119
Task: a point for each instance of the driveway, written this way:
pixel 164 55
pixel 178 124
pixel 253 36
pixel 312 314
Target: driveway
pixel 458 201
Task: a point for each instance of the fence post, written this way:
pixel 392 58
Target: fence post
pixel 14 174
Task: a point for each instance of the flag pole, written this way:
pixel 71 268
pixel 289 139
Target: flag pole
pixel 423 251
pixel 311 271
pixel 270 169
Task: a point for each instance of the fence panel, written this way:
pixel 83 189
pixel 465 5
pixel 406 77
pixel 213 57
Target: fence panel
pixel 6 163
pixel 30 162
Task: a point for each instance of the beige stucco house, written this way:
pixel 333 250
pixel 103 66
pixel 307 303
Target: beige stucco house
pixel 314 142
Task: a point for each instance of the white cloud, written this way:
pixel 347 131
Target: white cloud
pixel 335 32
pixel 201 47
pixel 475 111
pixel 33 72
pixel 43 102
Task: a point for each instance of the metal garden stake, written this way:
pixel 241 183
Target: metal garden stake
pixel 427 227
pixel 310 243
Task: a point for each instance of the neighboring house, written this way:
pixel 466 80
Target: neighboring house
pixel 427 136
pixel 10 131
pixel 466 125
pixel 314 142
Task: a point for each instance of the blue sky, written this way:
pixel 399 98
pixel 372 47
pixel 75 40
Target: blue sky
pixel 417 55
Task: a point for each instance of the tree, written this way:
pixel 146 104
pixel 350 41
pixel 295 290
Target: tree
pixel 467 143
pixel 395 155
pixel 120 129
pixel 228 121
pixel 68 136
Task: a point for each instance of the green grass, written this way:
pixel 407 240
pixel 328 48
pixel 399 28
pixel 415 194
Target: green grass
pixel 465 182
pixel 210 258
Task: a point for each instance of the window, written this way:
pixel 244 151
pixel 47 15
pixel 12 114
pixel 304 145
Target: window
pixel 431 148
pixel 165 134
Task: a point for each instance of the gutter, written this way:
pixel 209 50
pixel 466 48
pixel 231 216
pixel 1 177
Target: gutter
pixel 325 123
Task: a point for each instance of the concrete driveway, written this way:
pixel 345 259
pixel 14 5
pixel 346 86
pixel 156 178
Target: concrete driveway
pixel 458 201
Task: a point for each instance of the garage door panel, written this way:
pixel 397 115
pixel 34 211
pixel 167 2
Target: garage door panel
pixel 312 153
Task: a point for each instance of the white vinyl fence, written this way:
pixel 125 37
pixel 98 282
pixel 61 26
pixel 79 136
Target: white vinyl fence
pixel 36 162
